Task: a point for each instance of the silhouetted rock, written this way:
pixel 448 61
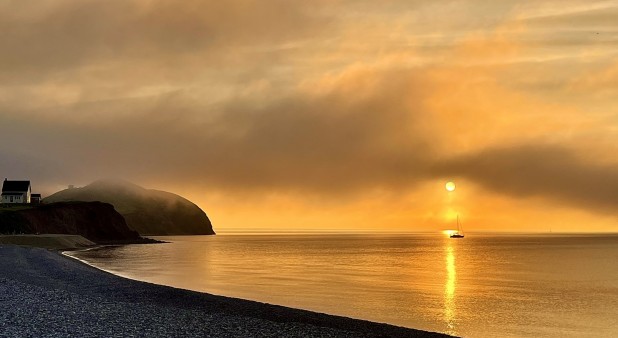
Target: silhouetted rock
pixel 96 221
pixel 149 212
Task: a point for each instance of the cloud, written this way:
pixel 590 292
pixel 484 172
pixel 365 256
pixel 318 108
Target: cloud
pixel 70 35
pixel 589 16
pixel 537 170
pixel 367 130
pixel 601 82
pixel 328 98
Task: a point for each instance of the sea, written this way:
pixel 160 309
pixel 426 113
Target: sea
pixel 484 285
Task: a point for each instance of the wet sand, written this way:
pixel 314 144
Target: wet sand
pixel 44 294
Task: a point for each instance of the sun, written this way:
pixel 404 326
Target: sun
pixel 450 186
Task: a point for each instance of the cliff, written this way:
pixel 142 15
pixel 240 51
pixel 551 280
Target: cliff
pixel 95 221
pixel 147 211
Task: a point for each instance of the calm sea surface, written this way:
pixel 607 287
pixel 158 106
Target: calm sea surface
pixel 480 286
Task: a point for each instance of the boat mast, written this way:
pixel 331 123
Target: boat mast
pixel 458 230
pixel 458 225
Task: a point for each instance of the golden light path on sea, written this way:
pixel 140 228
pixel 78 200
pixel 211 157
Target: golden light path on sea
pixel 449 290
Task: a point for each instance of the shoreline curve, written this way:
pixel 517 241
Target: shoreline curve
pixel 46 292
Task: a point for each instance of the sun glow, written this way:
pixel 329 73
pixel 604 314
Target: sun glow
pixel 450 215
pixel 450 186
pixel 448 233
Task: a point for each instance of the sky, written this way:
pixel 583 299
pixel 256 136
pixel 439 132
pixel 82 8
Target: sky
pixel 339 115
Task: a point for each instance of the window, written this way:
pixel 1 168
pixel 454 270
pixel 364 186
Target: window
pixel 11 199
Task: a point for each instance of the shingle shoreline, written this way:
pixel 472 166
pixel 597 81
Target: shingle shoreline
pixel 44 294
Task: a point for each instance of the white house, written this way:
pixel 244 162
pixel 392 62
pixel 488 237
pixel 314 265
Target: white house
pixel 16 191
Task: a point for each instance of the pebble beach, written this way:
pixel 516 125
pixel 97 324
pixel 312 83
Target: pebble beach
pixel 45 294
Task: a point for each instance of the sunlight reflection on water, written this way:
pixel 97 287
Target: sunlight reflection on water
pixel 480 286
pixel 449 290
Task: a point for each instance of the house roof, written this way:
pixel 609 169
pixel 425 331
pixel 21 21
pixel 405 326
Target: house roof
pixel 36 195
pixel 15 186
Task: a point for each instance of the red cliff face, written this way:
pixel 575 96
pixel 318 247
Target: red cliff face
pixel 96 221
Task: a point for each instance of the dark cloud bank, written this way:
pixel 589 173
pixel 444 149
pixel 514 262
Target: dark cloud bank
pixel 546 171
pixel 327 144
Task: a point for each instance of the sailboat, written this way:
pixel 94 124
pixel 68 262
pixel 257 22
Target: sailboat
pixel 457 234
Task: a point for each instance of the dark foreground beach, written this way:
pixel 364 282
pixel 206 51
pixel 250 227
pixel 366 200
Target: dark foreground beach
pixel 44 294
